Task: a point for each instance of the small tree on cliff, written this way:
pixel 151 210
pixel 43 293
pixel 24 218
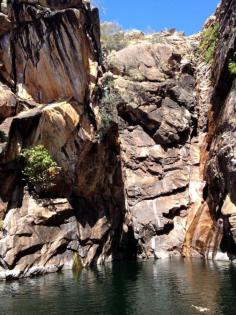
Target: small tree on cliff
pixel 39 168
pixel 111 99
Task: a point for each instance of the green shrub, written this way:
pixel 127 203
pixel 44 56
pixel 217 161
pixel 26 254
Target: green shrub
pixel 112 37
pixel 108 107
pixel 232 65
pixel 208 42
pixel 39 167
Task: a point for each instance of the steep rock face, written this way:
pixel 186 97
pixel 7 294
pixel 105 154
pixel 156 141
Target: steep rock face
pixel 38 237
pixel 50 51
pixel 203 235
pixel 157 125
pixel 144 141
pixel 211 232
pixel 50 59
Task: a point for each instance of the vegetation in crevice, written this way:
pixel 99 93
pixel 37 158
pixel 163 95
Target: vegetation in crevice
pixel 232 65
pixel 40 168
pixel 208 42
pixel 108 106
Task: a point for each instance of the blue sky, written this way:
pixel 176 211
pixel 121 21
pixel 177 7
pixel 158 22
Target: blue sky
pixel 184 15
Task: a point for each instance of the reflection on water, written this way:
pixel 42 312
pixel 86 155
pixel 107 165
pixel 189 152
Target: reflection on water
pixel 155 287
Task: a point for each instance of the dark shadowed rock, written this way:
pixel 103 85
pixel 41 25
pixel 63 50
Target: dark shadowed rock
pixel 175 120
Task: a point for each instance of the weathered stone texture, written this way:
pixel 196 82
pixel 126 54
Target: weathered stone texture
pixel 150 173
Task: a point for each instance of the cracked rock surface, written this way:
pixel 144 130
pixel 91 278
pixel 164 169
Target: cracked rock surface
pixel 147 163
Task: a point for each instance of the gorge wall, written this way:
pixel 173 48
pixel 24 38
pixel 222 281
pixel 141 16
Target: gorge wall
pixel 144 140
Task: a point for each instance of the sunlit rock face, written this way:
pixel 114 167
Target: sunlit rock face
pixel 49 63
pixel 48 52
pixel 177 142
pixel 39 237
pixel 212 231
pixel 151 177
pixel 157 118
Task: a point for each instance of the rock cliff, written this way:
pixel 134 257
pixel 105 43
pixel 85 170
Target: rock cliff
pixel 143 140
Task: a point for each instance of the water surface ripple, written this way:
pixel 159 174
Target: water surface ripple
pixel 165 287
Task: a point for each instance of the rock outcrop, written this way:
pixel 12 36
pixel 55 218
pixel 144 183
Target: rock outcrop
pixel 211 230
pixel 143 140
pixel 157 124
pixel 220 166
pixel 50 59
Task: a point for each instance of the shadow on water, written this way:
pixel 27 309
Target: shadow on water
pixel 173 287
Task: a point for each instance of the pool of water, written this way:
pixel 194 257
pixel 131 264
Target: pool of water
pixel 168 287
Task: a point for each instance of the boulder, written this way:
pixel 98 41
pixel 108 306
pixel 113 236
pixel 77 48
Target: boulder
pixel 39 237
pixel 8 102
pixel 175 120
pixel 143 62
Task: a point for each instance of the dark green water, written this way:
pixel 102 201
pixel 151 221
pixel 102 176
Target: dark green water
pixel 165 287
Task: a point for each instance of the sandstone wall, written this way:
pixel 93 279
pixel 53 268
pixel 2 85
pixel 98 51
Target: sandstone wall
pixel 50 59
pixel 144 140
